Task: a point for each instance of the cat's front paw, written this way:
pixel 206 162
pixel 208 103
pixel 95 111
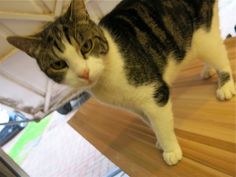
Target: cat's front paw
pixel 226 92
pixel 173 157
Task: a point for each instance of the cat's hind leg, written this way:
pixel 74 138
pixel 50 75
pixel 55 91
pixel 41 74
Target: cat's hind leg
pixel 216 56
pixel 210 47
pixel 207 72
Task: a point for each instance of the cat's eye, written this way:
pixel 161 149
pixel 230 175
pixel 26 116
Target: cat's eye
pixel 59 65
pixel 87 47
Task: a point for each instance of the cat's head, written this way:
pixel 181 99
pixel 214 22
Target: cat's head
pixel 68 50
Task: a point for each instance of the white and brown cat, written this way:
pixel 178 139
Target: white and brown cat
pixel 133 55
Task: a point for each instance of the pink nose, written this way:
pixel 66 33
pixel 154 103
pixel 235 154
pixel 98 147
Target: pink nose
pixel 85 74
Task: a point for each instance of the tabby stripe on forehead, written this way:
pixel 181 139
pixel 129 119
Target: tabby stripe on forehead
pixel 58 46
pixel 66 33
pixel 54 55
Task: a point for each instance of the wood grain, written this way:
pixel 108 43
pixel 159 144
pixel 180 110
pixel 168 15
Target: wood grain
pixel 205 128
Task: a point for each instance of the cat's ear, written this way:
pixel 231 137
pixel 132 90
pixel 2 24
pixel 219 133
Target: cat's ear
pixel 27 44
pixel 78 11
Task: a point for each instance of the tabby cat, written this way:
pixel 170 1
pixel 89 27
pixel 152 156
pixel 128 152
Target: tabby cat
pixel 132 56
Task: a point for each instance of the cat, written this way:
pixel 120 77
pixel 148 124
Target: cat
pixel 131 58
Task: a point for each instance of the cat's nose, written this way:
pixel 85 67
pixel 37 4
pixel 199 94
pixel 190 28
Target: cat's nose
pixel 85 74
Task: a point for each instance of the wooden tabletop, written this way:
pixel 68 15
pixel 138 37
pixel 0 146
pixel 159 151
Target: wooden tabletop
pixel 205 128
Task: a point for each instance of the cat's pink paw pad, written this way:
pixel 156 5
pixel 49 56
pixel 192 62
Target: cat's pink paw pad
pixel 226 92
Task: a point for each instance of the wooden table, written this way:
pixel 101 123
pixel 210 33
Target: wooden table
pixel 205 128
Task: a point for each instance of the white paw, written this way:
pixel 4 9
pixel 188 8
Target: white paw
pixel 207 72
pixel 173 157
pixel 226 92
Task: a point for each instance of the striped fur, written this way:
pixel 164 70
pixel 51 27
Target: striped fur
pixel 156 28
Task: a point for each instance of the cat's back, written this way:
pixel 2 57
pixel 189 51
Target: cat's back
pixel 148 31
pixel 184 14
pixel 157 27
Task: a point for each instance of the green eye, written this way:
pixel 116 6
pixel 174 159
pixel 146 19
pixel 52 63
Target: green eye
pixel 87 47
pixel 58 65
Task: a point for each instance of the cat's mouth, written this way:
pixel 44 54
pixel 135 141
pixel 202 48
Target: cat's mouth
pixel 86 81
pixel 85 76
